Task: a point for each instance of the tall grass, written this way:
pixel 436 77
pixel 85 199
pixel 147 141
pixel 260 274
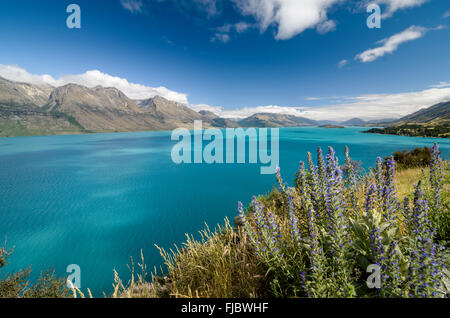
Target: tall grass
pixel 221 264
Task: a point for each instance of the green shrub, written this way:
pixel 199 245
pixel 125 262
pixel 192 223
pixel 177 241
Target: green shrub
pixel 17 285
pixel 417 157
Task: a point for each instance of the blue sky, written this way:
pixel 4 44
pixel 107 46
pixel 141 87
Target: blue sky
pixel 313 58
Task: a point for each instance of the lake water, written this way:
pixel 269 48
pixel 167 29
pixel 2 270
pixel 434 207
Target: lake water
pixel 95 200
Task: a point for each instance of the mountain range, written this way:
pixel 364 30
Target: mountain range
pixel 28 109
pixel 275 120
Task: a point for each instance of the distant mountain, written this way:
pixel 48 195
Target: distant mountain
pixel 275 120
pixel 27 109
pixel 433 121
pixel 353 122
pixel 217 121
pixel 381 121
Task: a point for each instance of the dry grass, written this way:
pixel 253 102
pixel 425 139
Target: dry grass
pixel 219 265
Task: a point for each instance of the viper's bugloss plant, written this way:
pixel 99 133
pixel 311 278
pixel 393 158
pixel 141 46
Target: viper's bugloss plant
pixel 426 265
pixel 334 223
pixel 438 212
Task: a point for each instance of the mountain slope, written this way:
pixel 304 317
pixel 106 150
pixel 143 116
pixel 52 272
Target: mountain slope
pixel 169 112
pixel 22 114
pixel 275 120
pixel 438 114
pixel 23 94
pixel 433 121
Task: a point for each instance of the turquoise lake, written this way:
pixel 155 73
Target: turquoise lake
pixel 95 200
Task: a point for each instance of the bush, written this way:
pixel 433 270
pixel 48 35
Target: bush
pixel 417 157
pixel 17 285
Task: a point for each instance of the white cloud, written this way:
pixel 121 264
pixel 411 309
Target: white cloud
pixel 376 106
pixel 248 111
pixel 395 5
pixel 326 26
pixel 441 85
pixel 214 109
pixel 239 27
pixel 242 27
pixel 291 17
pixel 446 14
pixel 313 98
pixel 391 44
pixel 222 37
pixel 367 107
pixel 223 33
pixel 134 6
pixel 91 79
pixel 342 63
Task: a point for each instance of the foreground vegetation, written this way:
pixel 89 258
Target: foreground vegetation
pixel 17 285
pixel 315 239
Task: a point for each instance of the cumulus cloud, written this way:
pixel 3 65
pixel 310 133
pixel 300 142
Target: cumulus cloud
pixel 134 6
pixel 391 44
pixel 291 17
pixel 367 107
pixel 446 14
pixel 91 79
